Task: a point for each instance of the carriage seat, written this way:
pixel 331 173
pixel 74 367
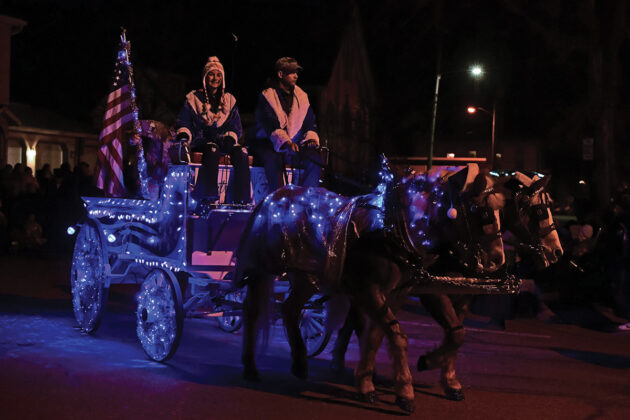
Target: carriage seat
pixel 223 160
pixel 259 186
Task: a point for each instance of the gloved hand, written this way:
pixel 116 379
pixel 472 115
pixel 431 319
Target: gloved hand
pixel 227 141
pixel 290 147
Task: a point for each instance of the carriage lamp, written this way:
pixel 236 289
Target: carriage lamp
pixel 71 230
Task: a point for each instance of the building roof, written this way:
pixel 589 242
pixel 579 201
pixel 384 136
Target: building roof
pixel 15 23
pixel 32 117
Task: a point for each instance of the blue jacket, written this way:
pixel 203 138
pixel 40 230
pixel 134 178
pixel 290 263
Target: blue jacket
pixel 274 124
pixel 202 125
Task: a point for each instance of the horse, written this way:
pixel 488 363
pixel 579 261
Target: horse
pixel 369 248
pixel 526 213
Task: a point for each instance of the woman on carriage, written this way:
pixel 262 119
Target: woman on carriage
pixel 210 123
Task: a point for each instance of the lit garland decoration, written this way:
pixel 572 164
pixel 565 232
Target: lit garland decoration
pixel 125 55
pixel 151 233
pixel 156 316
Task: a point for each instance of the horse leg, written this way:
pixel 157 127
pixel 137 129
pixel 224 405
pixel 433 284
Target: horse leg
pixel 252 311
pixel 369 343
pixel 384 322
pixel 354 323
pixel 450 319
pixel 301 291
pixel 448 378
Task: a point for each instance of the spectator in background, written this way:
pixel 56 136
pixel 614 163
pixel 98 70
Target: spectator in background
pixel 617 251
pixel 4 230
pixel 30 186
pixel 45 179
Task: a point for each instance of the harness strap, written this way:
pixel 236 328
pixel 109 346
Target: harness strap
pixel 453 329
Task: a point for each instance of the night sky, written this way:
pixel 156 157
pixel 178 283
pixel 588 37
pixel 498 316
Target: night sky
pixel 64 58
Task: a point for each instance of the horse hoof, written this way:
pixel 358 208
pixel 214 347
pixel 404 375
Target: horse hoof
pixel 251 375
pixel 405 404
pixel 299 371
pixel 422 363
pixel 454 394
pixel 369 397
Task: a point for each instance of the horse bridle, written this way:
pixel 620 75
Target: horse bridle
pixel 399 231
pixel 486 217
pixel 537 214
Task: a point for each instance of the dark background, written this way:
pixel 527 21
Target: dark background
pixel 538 56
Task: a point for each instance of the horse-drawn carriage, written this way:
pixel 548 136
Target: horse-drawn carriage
pixel 183 262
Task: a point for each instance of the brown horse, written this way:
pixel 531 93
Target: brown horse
pixel 527 215
pixel 368 248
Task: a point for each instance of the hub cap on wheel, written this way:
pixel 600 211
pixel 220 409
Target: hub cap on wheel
pixel 159 316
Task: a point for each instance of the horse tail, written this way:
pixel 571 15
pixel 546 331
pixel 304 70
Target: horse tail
pixel 337 309
pixel 264 301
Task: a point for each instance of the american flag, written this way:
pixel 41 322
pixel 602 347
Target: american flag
pixel 118 123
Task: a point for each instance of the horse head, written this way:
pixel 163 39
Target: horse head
pixel 527 215
pixel 453 212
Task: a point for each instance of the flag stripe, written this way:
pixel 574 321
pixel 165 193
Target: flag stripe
pixel 115 109
pixel 116 125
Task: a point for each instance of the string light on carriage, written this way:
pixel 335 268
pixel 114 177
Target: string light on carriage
pixel 150 214
pixel 124 57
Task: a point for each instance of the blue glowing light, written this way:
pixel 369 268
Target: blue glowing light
pixel 71 230
pixel 111 238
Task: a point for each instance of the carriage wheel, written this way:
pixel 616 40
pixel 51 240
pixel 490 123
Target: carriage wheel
pixel 160 315
pixel 232 323
pixel 313 327
pixel 88 278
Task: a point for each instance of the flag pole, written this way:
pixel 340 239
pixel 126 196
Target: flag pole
pixel 142 164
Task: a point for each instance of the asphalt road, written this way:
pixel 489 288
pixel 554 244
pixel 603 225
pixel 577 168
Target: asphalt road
pixel 49 370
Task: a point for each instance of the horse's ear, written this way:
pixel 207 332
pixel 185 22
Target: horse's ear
pixel 457 181
pixel 478 186
pixel 537 186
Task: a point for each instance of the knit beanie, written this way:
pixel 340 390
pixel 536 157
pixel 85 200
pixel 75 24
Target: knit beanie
pixel 213 64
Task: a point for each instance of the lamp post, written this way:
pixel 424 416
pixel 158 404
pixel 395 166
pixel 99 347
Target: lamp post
pixel 475 71
pixel 438 77
pixel 472 110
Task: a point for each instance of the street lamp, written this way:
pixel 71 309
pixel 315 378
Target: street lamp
pixel 476 71
pixel 473 109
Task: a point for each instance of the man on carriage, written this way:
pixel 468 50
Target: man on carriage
pixel 286 130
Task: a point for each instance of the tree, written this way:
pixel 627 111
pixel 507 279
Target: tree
pixel 596 30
